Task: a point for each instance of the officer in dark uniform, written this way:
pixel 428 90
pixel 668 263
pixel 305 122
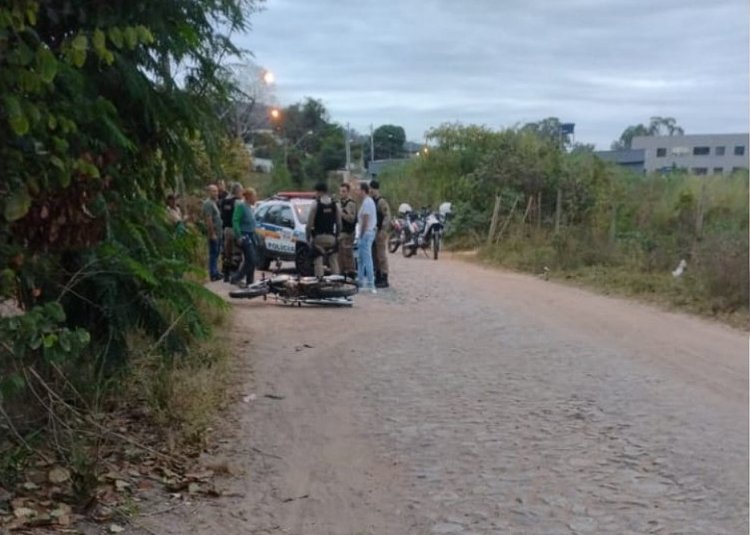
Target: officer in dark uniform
pixel 323 227
pixel 380 245
pixel 348 229
pixel 232 256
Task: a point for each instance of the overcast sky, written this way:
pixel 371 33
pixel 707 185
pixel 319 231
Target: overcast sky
pixel 601 64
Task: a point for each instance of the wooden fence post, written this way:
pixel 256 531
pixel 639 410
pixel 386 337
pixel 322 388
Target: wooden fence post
pixel 539 210
pixel 558 210
pixel 507 221
pixel 528 209
pixel 493 223
pixel 613 226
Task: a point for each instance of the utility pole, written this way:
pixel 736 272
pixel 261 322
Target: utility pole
pixel 372 145
pixel 348 151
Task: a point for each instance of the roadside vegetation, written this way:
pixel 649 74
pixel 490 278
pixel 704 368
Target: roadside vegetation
pixel 107 347
pixel 526 204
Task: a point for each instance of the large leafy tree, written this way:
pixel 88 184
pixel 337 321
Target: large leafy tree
pixel 657 126
pixel 95 127
pixel 548 129
pixel 389 141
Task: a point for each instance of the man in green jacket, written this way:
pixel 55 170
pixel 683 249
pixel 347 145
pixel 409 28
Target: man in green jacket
pixel 243 225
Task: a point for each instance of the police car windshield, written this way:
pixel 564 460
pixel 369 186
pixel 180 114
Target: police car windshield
pixel 302 209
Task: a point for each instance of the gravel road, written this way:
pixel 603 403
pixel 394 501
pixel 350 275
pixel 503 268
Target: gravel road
pixel 467 400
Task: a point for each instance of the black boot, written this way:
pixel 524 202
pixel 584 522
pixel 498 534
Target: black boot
pixel 382 282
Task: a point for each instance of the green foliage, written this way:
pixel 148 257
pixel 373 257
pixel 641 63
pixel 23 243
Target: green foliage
pixel 36 336
pixel 235 165
pixel 311 145
pixel 658 126
pixel 94 130
pixel 389 141
pixel 610 218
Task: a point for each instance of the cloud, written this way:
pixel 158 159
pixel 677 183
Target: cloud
pixel 603 65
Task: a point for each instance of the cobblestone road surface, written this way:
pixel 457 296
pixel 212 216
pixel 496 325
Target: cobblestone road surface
pixel 468 401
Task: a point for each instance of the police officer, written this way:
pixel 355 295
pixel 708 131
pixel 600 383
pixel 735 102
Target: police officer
pixel 380 246
pixel 348 228
pixel 323 227
pixel 229 261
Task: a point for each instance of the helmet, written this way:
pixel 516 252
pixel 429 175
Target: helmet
pixel 404 208
pixel 445 208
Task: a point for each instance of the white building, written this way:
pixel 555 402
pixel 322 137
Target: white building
pixel 701 154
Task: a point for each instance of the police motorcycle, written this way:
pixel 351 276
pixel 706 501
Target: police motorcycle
pixel 398 228
pixel 426 231
pixel 330 290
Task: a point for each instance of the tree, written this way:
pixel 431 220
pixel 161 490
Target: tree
pixel 389 141
pixel 94 131
pixel 300 118
pixel 243 115
pixel 658 126
pixel 549 130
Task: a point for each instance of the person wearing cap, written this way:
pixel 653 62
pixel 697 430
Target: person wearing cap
pixel 323 227
pixel 380 246
pixel 348 228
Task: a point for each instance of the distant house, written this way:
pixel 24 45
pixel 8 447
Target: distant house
pixel 633 159
pixel 698 154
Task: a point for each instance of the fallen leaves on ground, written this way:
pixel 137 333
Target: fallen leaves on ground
pixel 49 493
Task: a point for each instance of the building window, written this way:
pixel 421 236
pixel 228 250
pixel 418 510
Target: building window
pixel 701 151
pixel 661 152
pixel 738 169
pixel 680 151
pixel 739 150
pixel 720 151
pixel 699 170
pixel 718 170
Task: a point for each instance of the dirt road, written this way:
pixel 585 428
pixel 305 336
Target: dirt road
pixel 468 401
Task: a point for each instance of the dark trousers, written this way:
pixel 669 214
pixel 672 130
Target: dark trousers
pixel 249 259
pixel 214 250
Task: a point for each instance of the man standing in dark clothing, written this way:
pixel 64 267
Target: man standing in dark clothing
pixel 226 207
pixel 223 193
pixel 323 226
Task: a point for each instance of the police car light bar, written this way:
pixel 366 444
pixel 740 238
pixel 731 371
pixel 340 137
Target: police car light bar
pixel 295 194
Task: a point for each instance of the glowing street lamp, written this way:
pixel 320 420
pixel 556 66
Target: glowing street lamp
pixel 275 113
pixel 268 77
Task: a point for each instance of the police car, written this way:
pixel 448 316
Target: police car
pixel 281 222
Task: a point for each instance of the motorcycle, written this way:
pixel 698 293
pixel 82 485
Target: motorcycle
pixel 394 235
pixel 425 231
pixel 331 290
pixel 398 225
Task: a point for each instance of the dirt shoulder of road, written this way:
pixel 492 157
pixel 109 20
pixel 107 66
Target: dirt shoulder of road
pixel 738 319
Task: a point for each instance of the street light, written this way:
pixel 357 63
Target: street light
pixel 268 77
